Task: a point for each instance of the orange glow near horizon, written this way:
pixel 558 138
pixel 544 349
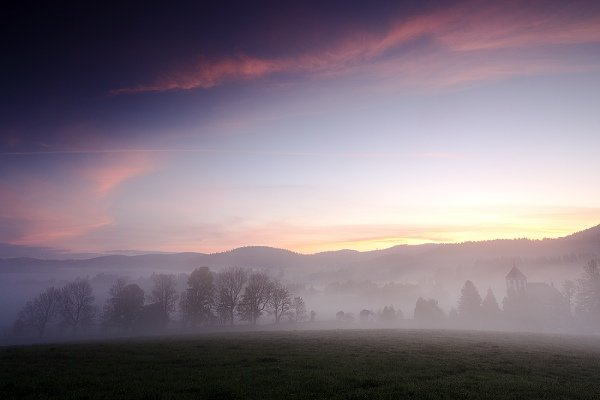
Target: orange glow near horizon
pixel 403 125
pixel 301 243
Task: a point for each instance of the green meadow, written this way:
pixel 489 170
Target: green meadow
pixel 331 364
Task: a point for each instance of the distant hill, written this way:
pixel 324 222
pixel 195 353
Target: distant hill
pixel 330 279
pixel 399 261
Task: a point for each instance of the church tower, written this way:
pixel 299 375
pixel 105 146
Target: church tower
pixel 516 282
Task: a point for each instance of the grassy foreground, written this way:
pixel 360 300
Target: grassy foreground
pixel 386 364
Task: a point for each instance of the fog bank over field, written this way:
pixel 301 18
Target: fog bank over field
pixel 344 281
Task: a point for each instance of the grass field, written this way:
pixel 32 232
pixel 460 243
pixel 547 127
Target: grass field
pixel 357 364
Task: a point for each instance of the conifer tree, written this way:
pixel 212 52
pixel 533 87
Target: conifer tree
pixel 469 304
pixel 489 305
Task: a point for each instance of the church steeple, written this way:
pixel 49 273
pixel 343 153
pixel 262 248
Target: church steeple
pixel 516 282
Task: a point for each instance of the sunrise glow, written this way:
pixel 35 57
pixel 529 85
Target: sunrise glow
pixel 402 125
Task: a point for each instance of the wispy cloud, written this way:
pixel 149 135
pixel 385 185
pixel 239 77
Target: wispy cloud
pixel 107 177
pixel 469 27
pixel 140 165
pixel 43 212
pixel 39 211
pixel 548 222
pixel 312 236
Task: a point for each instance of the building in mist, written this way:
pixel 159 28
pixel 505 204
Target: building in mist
pixel 532 304
pixel 516 282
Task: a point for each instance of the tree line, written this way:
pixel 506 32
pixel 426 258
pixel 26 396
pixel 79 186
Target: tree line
pixel 576 307
pixel 208 299
pixel 236 295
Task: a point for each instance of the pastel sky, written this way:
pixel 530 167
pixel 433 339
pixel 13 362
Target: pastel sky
pixel 310 127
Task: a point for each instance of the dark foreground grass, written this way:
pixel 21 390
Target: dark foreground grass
pixel 385 364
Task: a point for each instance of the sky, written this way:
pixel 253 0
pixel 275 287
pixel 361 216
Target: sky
pixel 298 125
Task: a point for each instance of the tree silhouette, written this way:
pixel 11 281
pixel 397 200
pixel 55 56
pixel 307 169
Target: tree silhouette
pixel 365 315
pixel 453 315
pixel 388 314
pixel 197 300
pixel 39 312
pixel 469 304
pixel 280 301
pixel 489 306
pixel 230 284
pixel 256 297
pixel 428 311
pixel 298 310
pixel 124 305
pixel 164 293
pixel 77 304
pixel 588 293
pixel 568 291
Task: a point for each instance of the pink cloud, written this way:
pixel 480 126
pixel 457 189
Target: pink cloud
pixel 55 212
pixel 468 27
pixel 514 25
pixel 207 74
pixel 43 212
pixel 107 177
pixel 444 70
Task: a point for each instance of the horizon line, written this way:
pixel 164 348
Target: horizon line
pixel 162 252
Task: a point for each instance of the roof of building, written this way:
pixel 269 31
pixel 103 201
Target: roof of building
pixel 515 274
pixel 543 292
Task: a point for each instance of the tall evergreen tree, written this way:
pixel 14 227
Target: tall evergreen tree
pixel 489 306
pixel 469 304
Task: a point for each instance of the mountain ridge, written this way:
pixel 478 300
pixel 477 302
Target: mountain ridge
pixel 403 258
pixel 589 234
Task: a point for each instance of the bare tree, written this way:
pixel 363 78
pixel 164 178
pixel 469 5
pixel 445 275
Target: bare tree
pixel 39 312
pixel 568 291
pixel 124 304
pixel 588 293
pixel 76 304
pixel 280 301
pixel 256 297
pixel 197 300
pixel 110 310
pixel 164 293
pixel 298 310
pixel 229 290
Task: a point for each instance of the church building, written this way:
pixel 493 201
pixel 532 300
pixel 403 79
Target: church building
pixel 534 302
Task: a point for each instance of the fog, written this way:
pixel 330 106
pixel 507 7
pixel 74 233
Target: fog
pixel 499 285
